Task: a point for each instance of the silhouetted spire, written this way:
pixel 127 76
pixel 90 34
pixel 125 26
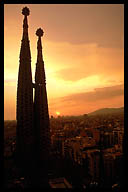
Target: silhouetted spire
pixel 25 12
pixel 33 130
pixel 25 98
pixel 41 104
pixel 25 49
pixel 39 33
pixel 40 73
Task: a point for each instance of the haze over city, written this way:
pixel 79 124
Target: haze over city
pixel 83 55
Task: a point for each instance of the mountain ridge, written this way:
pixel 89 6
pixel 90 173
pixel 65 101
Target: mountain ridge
pixel 107 111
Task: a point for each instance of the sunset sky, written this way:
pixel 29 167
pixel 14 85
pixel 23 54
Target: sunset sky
pixel 83 51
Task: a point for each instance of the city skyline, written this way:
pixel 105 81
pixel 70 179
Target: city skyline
pixel 84 67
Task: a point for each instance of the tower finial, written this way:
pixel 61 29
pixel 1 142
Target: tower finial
pixel 25 11
pixel 39 32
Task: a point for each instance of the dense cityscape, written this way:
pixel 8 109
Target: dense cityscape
pixel 84 150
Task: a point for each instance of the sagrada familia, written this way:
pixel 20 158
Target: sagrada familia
pixel 33 128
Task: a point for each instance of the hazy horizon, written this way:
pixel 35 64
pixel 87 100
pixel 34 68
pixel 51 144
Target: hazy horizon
pixel 74 115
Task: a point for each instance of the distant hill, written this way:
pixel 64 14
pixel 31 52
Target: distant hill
pixel 105 111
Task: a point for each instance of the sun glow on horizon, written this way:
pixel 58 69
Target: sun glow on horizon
pixel 57 113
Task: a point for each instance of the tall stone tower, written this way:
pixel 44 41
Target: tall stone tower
pixel 33 129
pixel 41 114
pixel 41 119
pixel 24 131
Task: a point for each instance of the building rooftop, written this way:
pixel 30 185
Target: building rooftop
pixel 59 183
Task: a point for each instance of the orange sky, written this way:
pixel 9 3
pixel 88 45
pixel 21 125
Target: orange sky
pixel 82 50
